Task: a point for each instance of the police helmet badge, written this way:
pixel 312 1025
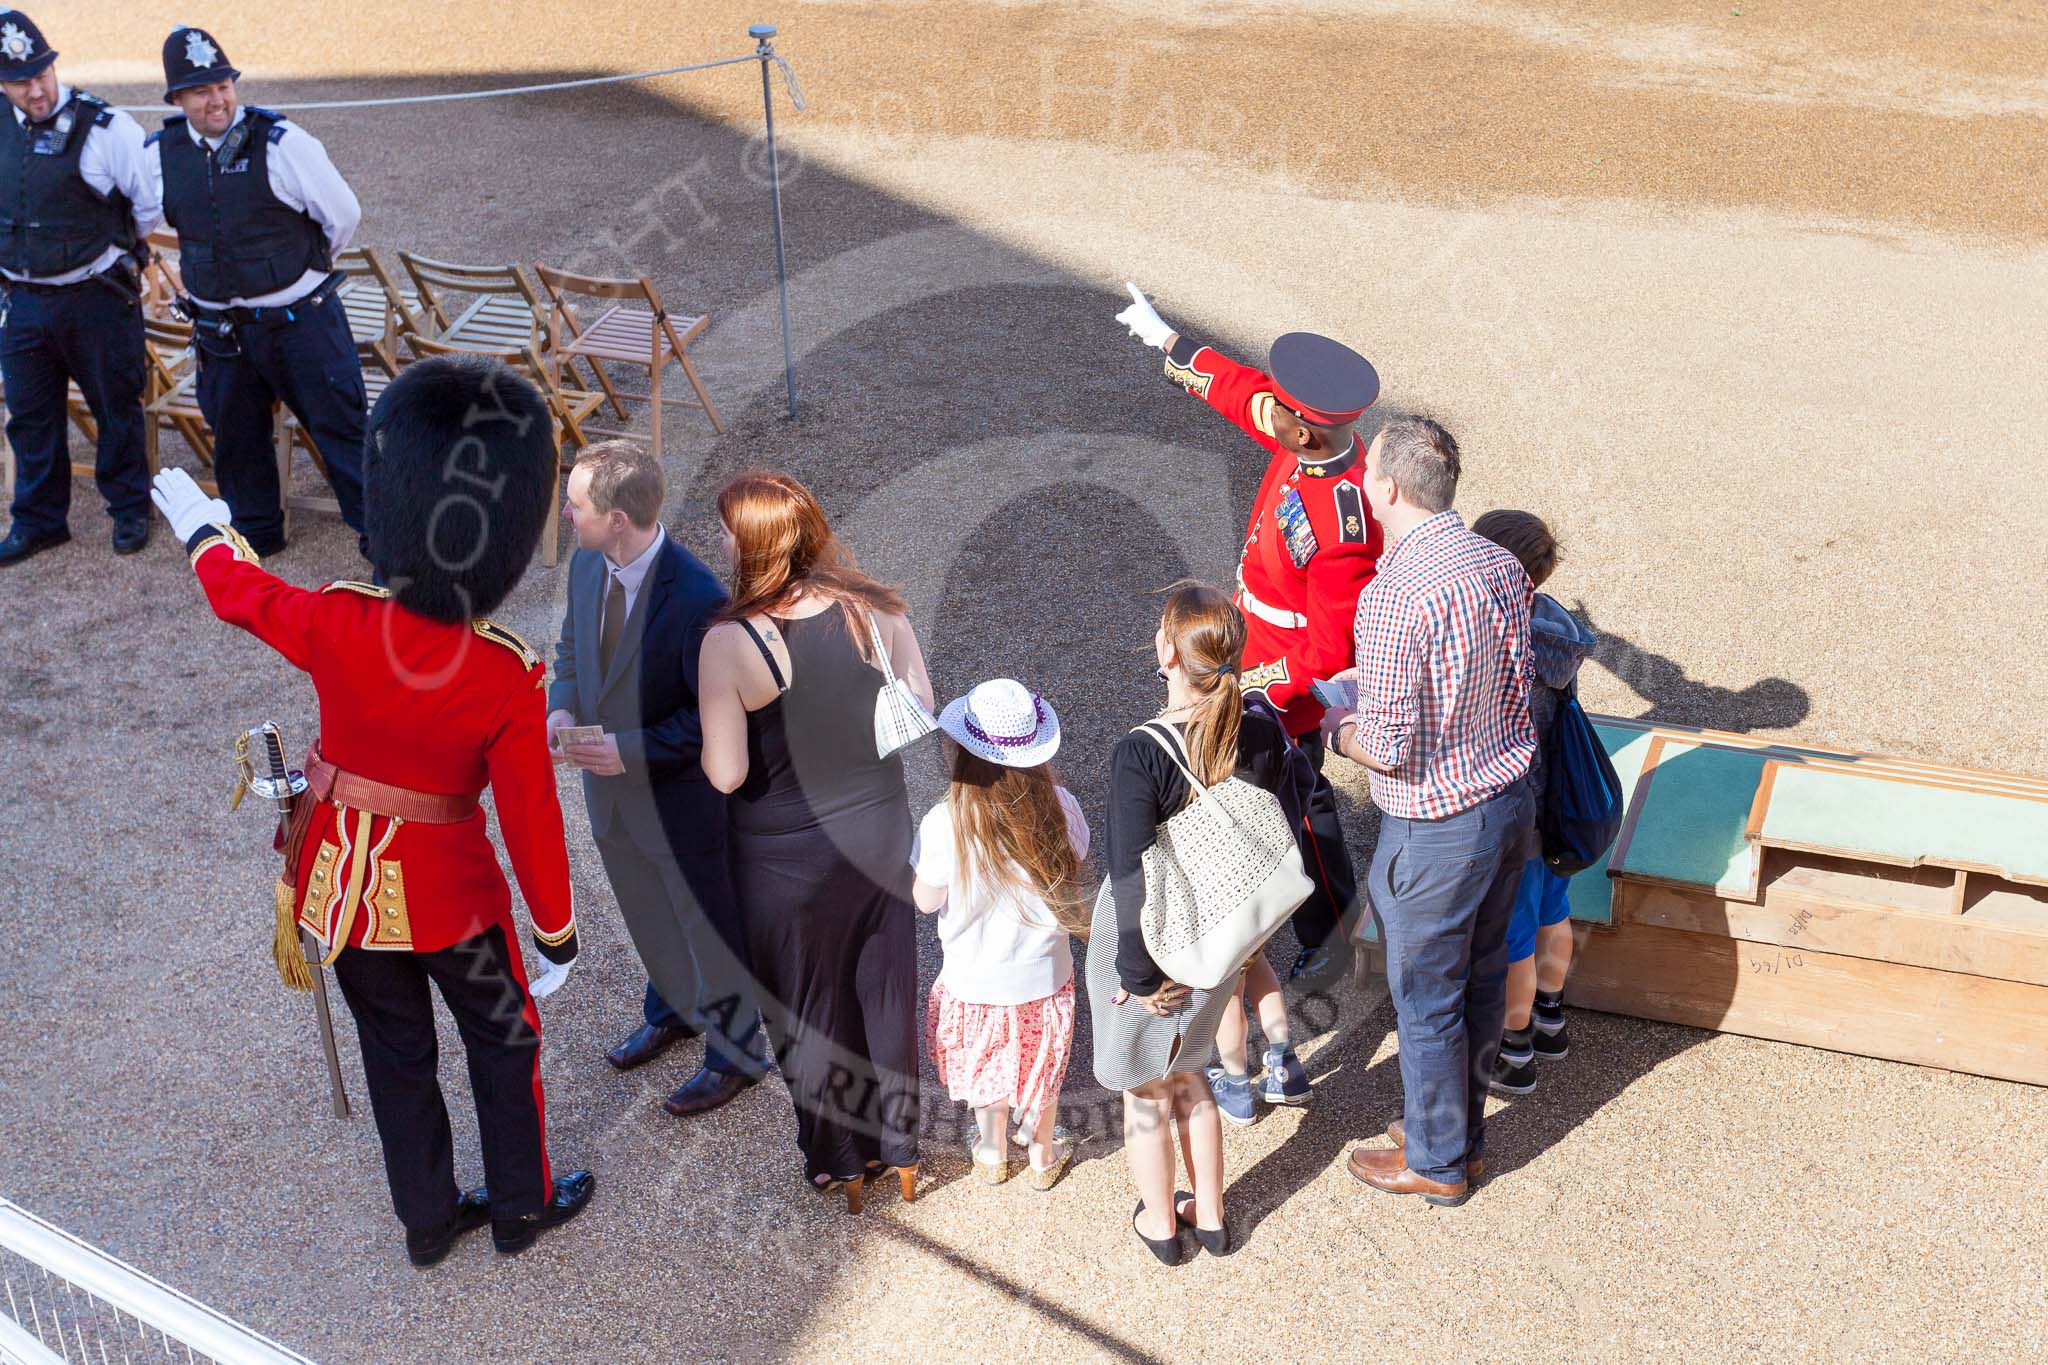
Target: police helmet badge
pixel 198 51
pixel 18 46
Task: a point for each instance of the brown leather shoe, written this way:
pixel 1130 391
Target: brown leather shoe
pixel 1386 1168
pixel 644 1044
pixel 704 1091
pixel 1475 1170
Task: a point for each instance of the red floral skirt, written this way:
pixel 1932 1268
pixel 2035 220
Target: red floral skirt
pixel 1001 1054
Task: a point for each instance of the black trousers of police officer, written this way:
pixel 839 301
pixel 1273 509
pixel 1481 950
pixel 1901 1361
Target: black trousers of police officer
pixel 483 983
pixel 91 334
pixel 304 355
pixel 1329 861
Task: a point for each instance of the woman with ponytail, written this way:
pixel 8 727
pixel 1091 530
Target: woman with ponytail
pixel 1155 1038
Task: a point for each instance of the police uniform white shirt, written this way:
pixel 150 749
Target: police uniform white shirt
pixel 632 575
pixel 303 178
pixel 113 158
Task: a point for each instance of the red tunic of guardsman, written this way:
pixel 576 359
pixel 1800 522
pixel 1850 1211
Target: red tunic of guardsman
pixel 1311 548
pixel 424 703
pixel 425 708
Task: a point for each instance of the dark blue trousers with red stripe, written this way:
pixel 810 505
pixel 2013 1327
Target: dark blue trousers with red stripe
pixel 483 982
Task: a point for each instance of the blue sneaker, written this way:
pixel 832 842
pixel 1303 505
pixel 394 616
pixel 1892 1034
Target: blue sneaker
pixel 1233 1095
pixel 1286 1079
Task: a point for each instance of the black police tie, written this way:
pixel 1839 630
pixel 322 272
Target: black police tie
pixel 614 624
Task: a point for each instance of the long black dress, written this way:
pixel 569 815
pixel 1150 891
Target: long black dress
pixel 821 836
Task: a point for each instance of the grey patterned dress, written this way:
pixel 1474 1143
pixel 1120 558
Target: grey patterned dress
pixel 1134 1046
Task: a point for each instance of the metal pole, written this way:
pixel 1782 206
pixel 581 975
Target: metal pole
pixel 765 50
pixel 334 1086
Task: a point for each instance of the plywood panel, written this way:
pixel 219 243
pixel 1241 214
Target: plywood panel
pixel 1906 823
pixel 1691 817
pixel 1847 1004
pixel 1795 919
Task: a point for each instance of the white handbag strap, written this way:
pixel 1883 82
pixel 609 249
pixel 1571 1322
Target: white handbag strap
pixel 881 650
pixel 1167 738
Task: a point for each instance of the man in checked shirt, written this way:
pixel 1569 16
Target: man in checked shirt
pixel 1443 727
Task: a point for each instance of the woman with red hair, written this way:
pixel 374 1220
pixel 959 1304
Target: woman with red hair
pixel 821 827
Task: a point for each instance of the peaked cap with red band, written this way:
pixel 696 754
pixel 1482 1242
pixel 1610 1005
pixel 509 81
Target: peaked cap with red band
pixel 1324 381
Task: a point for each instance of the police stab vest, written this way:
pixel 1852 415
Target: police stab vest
pixel 51 220
pixel 236 238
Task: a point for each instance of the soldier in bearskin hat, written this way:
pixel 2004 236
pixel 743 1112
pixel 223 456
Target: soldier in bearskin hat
pixel 76 200
pixel 425 701
pixel 261 214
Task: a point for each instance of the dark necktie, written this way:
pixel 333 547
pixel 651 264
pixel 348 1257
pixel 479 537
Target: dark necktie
pixel 614 624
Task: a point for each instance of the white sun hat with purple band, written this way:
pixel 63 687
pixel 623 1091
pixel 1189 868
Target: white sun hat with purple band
pixel 1004 722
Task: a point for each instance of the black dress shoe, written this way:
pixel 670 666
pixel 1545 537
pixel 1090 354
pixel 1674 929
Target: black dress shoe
pixel 472 1211
pixel 572 1192
pixel 21 544
pixel 706 1090
pixel 131 533
pixel 646 1043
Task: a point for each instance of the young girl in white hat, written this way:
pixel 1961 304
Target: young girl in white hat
pixel 1000 861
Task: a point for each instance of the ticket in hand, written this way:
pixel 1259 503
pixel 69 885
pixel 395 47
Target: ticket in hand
pixel 1336 695
pixel 579 734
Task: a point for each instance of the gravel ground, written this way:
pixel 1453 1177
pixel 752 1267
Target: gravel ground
pixel 1749 304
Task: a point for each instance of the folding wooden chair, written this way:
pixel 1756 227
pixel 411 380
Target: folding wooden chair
pixel 379 310
pixel 502 310
pixel 624 335
pixel 171 397
pixel 288 436
pixel 161 283
pixel 569 408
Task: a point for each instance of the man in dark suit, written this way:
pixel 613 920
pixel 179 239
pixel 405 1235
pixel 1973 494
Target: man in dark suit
pixel 639 604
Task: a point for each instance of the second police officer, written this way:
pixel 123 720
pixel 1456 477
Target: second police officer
pixel 260 213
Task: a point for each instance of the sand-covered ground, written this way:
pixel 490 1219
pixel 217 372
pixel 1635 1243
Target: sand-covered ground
pixel 1747 298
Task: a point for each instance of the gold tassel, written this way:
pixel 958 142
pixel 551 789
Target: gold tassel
pixel 284 946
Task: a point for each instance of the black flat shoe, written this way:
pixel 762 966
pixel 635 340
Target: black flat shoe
pixel 1169 1250
pixel 1216 1243
pixel 572 1192
pixel 20 544
pixel 472 1211
pixel 130 534
pixel 646 1043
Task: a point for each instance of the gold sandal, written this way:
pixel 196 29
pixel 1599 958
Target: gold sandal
pixel 994 1172
pixel 1046 1177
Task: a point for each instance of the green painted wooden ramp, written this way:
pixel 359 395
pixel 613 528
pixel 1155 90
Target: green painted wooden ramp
pixel 1692 829
pixel 1907 823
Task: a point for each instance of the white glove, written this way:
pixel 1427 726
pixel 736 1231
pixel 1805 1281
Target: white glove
pixel 184 506
pixel 1145 323
pixel 550 980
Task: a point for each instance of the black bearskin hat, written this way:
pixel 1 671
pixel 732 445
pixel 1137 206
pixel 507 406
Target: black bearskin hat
pixel 459 465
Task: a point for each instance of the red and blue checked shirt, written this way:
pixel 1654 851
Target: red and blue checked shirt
pixel 1443 659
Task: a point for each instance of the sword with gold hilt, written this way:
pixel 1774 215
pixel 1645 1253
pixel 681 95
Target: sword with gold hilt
pixel 297 952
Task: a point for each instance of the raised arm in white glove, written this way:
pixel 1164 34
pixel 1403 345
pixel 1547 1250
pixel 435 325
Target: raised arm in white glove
pixel 185 506
pixel 551 977
pixel 1144 321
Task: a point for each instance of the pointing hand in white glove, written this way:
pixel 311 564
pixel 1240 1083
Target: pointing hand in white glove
pixel 1144 321
pixel 184 505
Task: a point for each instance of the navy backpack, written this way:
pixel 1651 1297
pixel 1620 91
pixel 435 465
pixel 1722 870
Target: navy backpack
pixel 1581 810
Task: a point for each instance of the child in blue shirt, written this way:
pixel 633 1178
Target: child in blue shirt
pixel 1540 932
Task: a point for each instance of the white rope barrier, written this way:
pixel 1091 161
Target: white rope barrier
pixel 796 90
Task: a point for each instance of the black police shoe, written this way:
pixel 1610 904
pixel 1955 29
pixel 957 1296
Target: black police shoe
pixel 21 544
pixel 572 1192
pixel 131 533
pixel 472 1211
pixel 266 546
